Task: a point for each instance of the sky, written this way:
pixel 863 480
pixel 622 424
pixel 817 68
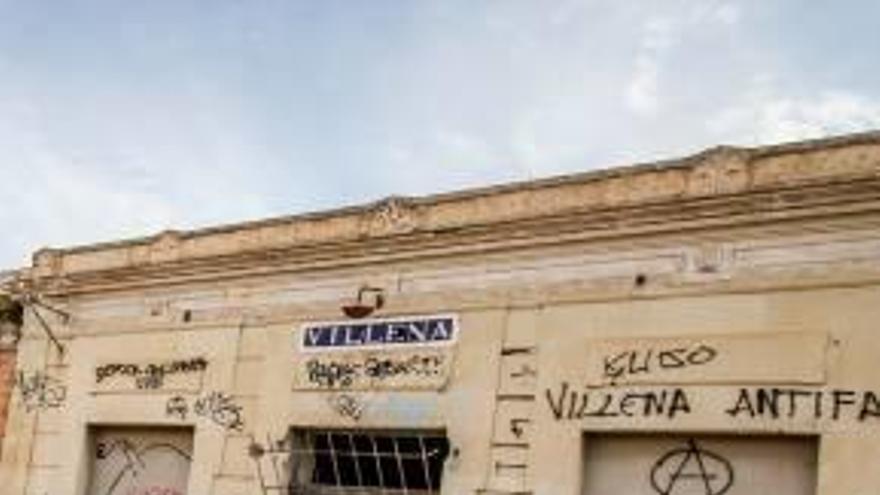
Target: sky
pixel 126 118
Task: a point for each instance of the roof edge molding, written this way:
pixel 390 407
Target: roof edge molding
pixel 720 184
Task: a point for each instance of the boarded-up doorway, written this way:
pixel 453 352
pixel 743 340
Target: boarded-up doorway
pixel 699 465
pixel 140 461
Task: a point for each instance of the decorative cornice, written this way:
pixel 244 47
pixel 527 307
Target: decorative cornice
pixel 719 188
pixel 391 216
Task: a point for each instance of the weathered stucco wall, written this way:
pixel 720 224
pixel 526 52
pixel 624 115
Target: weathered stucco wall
pixel 7 381
pixel 713 308
pixel 793 363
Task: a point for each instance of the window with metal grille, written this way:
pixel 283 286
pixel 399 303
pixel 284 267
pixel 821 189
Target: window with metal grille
pixel 360 462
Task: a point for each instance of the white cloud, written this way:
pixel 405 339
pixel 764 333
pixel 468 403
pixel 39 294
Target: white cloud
pixel 642 92
pixel 659 36
pixel 766 116
pixel 133 171
pixel 186 124
pixel 725 13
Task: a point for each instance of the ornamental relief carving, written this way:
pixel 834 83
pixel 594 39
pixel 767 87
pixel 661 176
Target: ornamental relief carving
pixel 710 260
pixel 390 216
pixel 722 171
pixel 166 246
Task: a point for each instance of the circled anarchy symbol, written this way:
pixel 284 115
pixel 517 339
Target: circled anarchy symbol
pixel 691 466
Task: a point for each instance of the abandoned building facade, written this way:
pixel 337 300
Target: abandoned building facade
pixel 702 326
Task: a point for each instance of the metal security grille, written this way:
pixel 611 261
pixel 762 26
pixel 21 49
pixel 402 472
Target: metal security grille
pixel 325 462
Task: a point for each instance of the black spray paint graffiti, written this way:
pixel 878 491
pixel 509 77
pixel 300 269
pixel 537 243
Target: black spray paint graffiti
pixel 40 391
pixel 221 409
pixel 517 426
pixel 133 460
pixel 641 362
pixel 568 403
pixel 768 403
pixel 150 376
pixel 342 374
pixel 177 407
pixel 218 407
pixel 693 466
pixel 347 406
pixel 775 403
pixel 332 374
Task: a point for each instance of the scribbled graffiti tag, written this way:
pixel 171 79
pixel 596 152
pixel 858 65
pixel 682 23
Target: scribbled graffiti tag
pixel 221 409
pixel 331 373
pixel 140 470
pixel 151 375
pixel 178 407
pixel 639 362
pixel 40 391
pixel 218 407
pixel 347 406
pixel 692 465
